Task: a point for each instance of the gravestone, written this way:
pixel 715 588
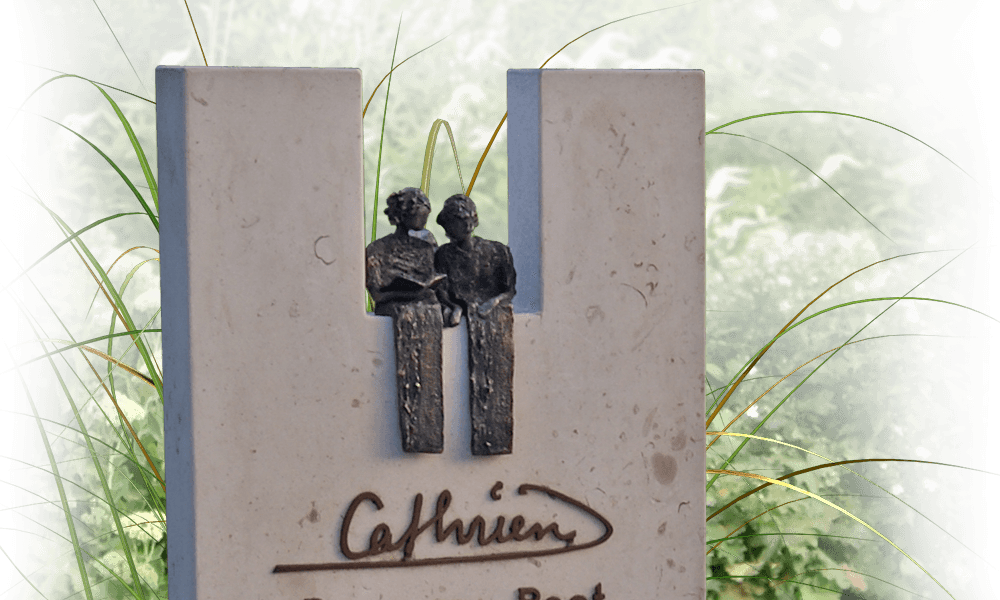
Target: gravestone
pixel 285 472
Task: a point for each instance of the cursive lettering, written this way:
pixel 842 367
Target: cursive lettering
pixel 380 540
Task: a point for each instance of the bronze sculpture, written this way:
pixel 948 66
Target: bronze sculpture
pixel 480 284
pixel 423 288
pixel 400 276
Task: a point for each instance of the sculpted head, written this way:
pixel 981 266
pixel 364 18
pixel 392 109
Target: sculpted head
pixel 458 217
pixel 408 208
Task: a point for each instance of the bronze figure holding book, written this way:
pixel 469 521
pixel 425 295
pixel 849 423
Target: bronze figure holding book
pixel 423 288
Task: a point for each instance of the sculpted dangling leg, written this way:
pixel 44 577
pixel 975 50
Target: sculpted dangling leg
pixel 491 379
pixel 480 284
pixel 417 333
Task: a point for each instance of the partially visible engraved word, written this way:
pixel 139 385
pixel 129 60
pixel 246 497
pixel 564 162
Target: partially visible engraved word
pixel 530 593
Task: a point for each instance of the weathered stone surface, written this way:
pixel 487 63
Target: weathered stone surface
pixel 281 401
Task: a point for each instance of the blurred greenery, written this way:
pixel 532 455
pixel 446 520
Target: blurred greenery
pixel 777 237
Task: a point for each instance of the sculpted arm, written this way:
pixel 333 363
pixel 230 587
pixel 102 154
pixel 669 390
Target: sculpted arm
pixel 451 311
pixel 373 274
pixel 387 282
pixel 508 280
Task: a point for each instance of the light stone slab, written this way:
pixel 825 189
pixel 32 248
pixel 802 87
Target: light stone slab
pixel 280 399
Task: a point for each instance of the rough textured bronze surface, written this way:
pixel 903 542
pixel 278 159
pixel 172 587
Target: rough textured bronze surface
pixel 480 284
pixel 399 269
pixel 417 333
pixel 491 380
pixel 400 276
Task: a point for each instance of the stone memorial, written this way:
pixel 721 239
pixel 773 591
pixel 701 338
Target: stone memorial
pixel 557 453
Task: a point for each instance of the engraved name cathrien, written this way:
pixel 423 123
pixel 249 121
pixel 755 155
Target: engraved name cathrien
pixel 479 531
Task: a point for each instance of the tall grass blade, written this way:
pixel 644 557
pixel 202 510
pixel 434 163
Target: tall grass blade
pixel 853 116
pixel 136 147
pixel 128 424
pixel 77 549
pixel 117 305
pixel 75 235
pixel 132 249
pixel 111 360
pixel 425 175
pixel 83 343
pixel 895 300
pixel 812 585
pixel 475 174
pixel 385 114
pixel 843 465
pixel 835 507
pixel 729 535
pixel 885 581
pixel 117 41
pixel 364 111
pixel 102 478
pixel 52 532
pixel 142 201
pixel 752 404
pixel 117 89
pixel 482 158
pixel 818 176
pixel 853 461
pixel 194 31
pixel 21 573
pixel 749 365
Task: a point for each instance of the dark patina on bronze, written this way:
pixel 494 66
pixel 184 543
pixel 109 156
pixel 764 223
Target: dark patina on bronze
pixel 400 276
pixel 423 288
pixel 381 540
pixel 480 285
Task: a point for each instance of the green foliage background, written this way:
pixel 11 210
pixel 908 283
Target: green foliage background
pixel 777 238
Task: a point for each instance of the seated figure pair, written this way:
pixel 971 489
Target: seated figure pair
pixel 423 288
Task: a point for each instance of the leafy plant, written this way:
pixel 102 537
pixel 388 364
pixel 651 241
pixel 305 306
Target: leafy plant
pixel 780 525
